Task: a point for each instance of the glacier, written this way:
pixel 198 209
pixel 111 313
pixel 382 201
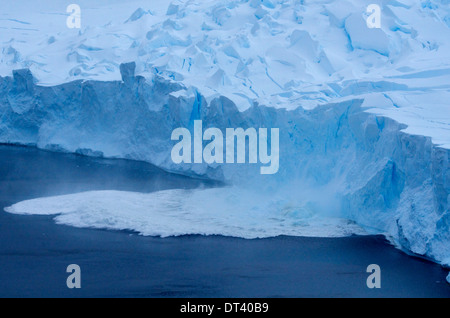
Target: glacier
pixel 363 113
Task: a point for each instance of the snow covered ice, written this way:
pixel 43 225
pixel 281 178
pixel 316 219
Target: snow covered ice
pixel 363 113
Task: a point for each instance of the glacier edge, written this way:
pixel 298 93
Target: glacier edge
pixel 386 180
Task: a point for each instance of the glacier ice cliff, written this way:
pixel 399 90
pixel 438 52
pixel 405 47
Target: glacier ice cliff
pixel 384 179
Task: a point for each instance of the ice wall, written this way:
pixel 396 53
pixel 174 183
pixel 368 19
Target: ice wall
pixel 383 178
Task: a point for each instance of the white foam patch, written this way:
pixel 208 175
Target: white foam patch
pixel 220 211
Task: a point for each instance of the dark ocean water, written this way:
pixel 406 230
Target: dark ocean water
pixel 35 252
